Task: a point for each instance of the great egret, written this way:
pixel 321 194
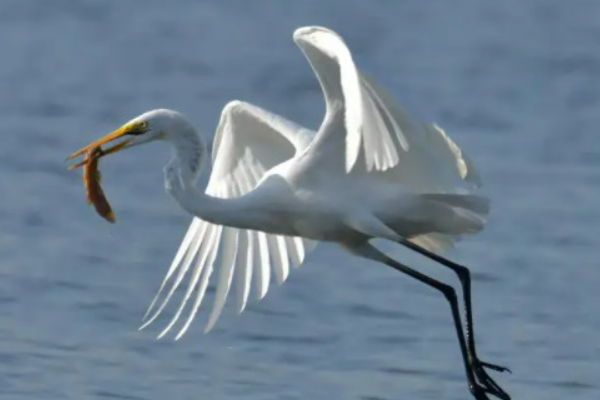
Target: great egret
pixel 370 171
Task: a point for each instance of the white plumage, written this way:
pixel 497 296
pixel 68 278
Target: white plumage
pixel 275 188
pixel 393 153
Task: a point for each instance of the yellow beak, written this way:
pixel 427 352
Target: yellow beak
pixel 119 133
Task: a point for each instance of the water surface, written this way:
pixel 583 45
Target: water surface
pixel 517 84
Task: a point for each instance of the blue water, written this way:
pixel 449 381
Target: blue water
pixel 516 83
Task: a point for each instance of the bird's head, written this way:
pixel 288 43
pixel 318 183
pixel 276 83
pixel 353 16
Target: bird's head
pixel 150 126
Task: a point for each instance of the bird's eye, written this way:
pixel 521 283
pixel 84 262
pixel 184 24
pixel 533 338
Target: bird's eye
pixel 139 128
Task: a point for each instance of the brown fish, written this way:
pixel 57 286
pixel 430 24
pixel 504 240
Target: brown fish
pixel 91 180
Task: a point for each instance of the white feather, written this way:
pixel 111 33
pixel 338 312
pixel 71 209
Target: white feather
pixel 370 162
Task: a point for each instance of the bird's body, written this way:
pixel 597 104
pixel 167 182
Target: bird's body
pixel 298 198
pixel 275 187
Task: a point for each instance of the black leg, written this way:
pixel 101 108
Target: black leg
pixel 464 277
pixel 478 391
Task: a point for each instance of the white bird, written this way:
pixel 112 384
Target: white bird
pixel 370 171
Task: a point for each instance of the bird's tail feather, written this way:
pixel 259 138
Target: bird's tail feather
pixel 456 215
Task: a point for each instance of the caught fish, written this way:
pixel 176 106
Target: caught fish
pixel 91 179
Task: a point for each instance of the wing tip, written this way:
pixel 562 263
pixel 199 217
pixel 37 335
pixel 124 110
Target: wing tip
pixel 464 165
pixel 231 105
pixel 304 31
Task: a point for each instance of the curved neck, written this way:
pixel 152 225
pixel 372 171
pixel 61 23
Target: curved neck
pixel 234 212
pixel 189 152
pixel 189 155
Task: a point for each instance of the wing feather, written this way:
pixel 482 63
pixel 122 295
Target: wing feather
pixel 197 227
pixel 248 142
pixel 184 267
pixel 278 255
pixel 295 250
pixel 243 270
pixel 365 129
pixel 435 163
pixel 214 246
pixel 376 130
pixel 228 256
pixel 262 265
pixel 202 256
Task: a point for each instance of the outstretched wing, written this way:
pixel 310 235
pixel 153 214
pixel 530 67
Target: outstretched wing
pixel 377 131
pixel 248 142
pixel 363 123
pixel 434 163
pixel 366 132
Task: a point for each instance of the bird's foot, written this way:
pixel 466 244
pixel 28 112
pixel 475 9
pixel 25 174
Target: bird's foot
pixel 488 385
pixel 495 367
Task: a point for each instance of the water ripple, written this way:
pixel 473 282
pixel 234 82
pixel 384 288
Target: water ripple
pixel 514 83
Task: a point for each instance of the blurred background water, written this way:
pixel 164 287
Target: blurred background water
pixel 515 83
